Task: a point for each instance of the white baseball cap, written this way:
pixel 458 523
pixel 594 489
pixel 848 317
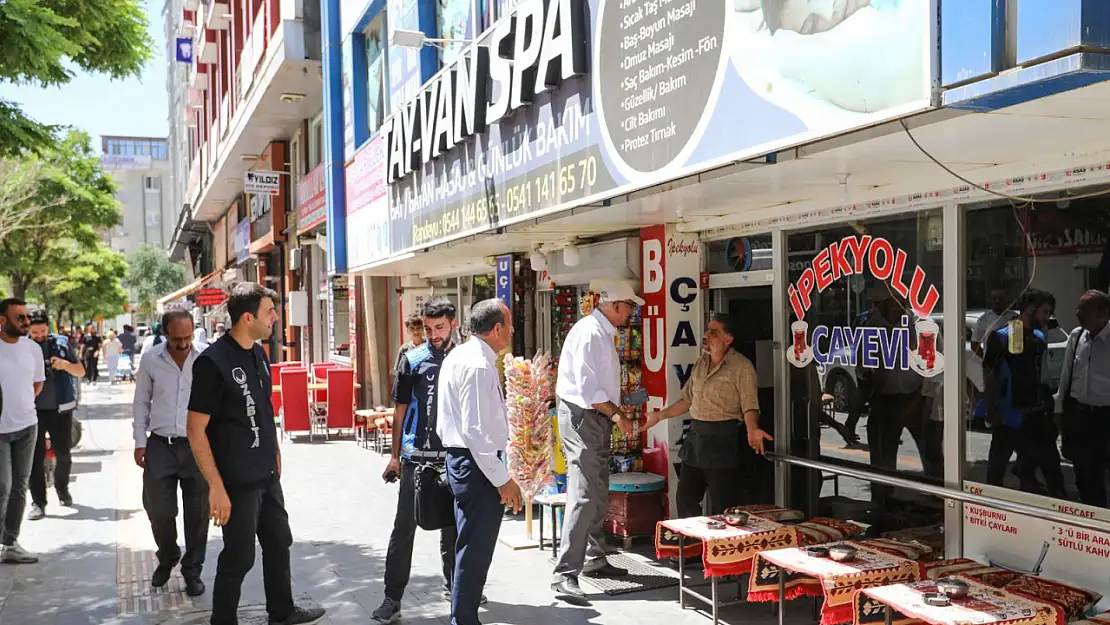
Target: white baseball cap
pixel 620 292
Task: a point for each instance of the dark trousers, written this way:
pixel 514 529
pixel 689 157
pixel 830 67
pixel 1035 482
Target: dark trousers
pixel 1087 444
pixel 693 484
pixel 889 416
pixel 17 450
pixel 1035 443
pixel 478 513
pixel 60 427
pixel 398 557
pixel 168 466
pixel 91 373
pixel 255 511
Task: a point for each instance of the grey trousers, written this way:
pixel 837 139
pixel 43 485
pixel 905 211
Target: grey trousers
pixel 17 451
pixel 587 436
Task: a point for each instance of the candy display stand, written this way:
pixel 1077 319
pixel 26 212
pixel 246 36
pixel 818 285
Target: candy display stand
pixel 529 392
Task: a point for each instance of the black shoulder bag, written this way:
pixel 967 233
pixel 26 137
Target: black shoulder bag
pixel 435 503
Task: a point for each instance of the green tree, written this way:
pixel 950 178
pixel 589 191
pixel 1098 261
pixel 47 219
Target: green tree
pixel 45 41
pixel 73 200
pixel 151 274
pixel 90 287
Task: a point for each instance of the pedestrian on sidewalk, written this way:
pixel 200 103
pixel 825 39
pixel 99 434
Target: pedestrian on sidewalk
pixel 90 354
pixel 416 445
pixel 414 324
pixel 473 425
pixel 22 376
pixel 235 443
pixel 162 451
pixel 112 349
pixel 588 391
pixel 54 406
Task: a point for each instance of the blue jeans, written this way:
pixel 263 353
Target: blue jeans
pixel 478 513
pixel 17 451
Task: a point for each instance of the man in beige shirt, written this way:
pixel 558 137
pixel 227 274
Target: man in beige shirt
pixel 722 392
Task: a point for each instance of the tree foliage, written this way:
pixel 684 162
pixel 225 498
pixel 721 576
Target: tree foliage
pixel 19 182
pixel 151 275
pixel 90 285
pixel 72 200
pixel 43 42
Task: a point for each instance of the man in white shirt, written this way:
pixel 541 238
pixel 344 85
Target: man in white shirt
pixel 162 450
pixel 1083 399
pixel 998 316
pixel 22 376
pixel 473 426
pixel 588 392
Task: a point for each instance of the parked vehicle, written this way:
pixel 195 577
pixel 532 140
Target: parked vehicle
pixel 839 380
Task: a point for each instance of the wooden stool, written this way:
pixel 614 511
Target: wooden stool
pixel 555 502
pixel 362 427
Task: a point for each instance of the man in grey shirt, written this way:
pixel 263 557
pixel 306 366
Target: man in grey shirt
pixel 162 450
pixel 1083 399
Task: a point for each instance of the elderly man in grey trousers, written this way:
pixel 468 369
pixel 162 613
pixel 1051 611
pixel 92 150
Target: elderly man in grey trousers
pixel 588 392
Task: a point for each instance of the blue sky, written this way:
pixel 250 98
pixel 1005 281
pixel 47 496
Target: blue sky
pixel 101 106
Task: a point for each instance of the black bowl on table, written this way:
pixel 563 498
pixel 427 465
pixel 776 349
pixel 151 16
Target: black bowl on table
pixel 817 551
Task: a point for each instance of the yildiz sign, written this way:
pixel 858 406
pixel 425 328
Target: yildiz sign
pixel 565 102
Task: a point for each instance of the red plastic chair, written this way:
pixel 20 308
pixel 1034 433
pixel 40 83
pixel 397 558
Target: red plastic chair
pixel 341 399
pixel 294 399
pixel 320 376
pixel 275 377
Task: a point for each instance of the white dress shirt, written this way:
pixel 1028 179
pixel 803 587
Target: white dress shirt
pixel 989 322
pixel 589 367
pixel 1087 363
pixel 161 404
pixel 471 407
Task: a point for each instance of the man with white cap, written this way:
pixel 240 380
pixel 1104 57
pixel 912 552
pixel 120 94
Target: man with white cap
pixel 589 396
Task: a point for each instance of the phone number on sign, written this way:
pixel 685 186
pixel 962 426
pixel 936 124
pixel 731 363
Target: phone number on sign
pixel 543 188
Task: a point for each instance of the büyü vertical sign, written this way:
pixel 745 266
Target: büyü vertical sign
pixel 871 346
pixel 672 320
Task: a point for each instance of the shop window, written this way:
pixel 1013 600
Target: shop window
pixel 453 25
pixel 1018 256
pixel 316 142
pixel 866 381
pixel 376 84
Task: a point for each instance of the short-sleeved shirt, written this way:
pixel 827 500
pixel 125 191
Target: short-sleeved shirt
pixel 232 385
pixel 21 367
pixel 415 385
pixel 128 339
pixel 722 392
pixel 91 343
pixel 988 322
pixel 54 346
pixel 1028 371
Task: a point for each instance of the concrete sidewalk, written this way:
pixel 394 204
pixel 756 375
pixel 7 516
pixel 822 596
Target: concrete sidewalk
pixel 97 558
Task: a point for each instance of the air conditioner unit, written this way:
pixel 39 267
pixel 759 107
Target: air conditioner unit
pixel 296 259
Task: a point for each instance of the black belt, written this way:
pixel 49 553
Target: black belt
pixel 463 451
pixel 422 454
pixel 1079 406
pixel 170 440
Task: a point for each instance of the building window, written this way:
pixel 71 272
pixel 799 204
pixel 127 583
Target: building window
pixel 453 24
pixel 865 343
pixel 376 86
pixel 152 183
pixel 316 142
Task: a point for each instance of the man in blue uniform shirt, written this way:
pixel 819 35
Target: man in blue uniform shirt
pixel 415 442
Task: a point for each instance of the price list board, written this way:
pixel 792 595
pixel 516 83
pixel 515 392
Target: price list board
pixel 658 61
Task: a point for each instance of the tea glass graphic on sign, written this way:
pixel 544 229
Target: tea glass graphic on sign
pixel 926 360
pixel 800 353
